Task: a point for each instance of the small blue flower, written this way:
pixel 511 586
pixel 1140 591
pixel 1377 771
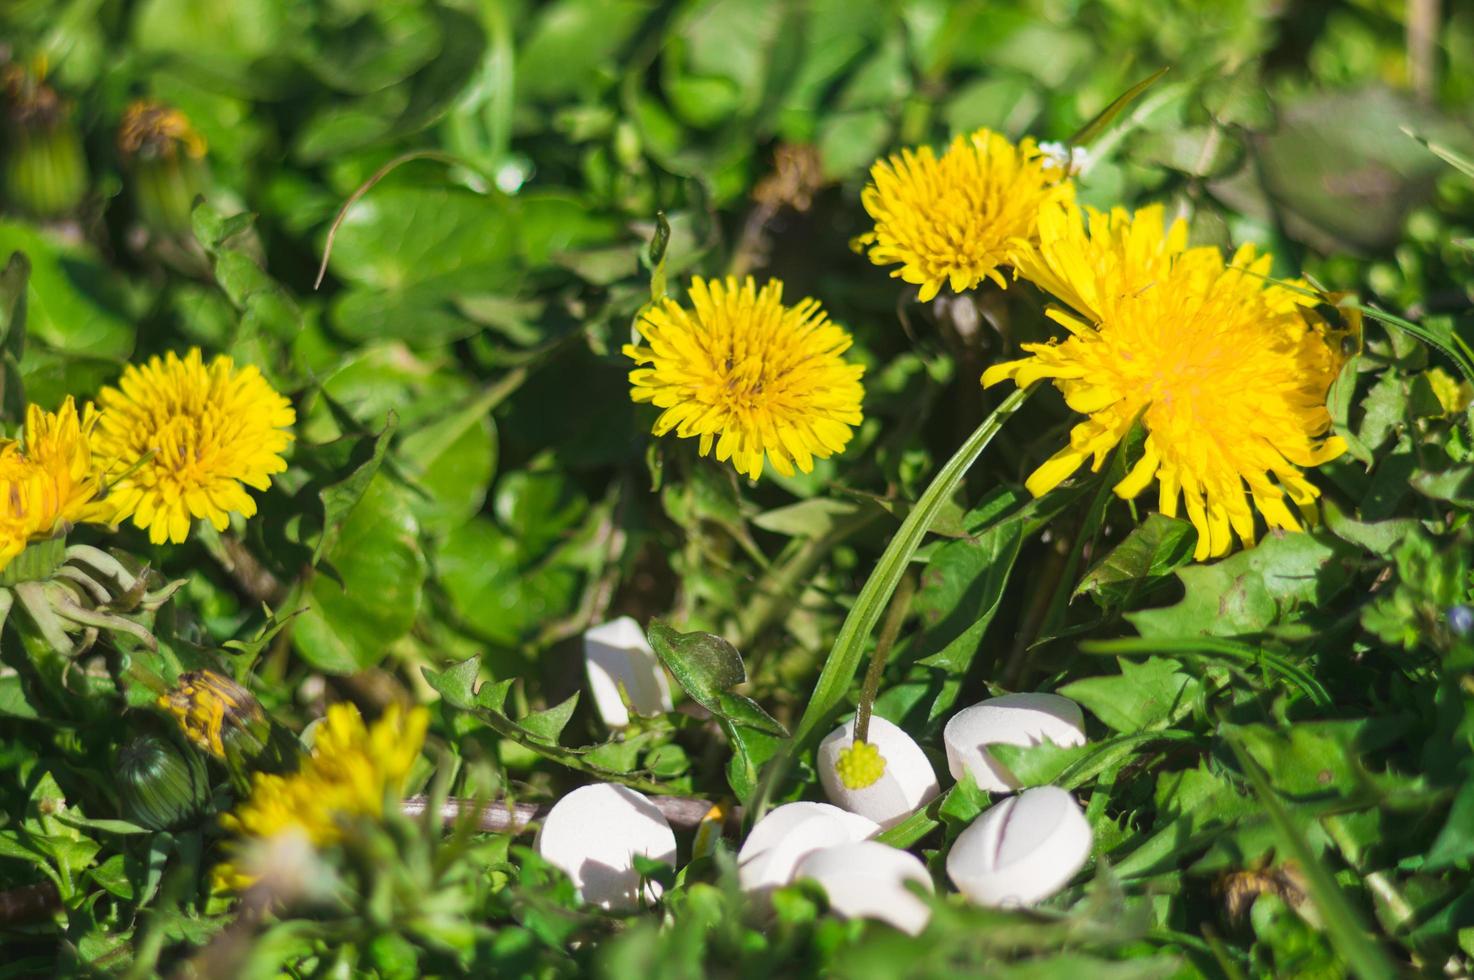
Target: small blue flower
pixel 1461 620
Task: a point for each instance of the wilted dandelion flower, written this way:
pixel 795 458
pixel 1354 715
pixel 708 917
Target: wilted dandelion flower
pixel 153 129
pixel 1227 372
pixel 955 220
pixel 352 770
pixel 48 481
pixel 748 376
pixel 183 439
pixel 208 706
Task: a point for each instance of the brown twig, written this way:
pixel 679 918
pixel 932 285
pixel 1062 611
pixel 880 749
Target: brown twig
pixel 495 818
pixel 28 903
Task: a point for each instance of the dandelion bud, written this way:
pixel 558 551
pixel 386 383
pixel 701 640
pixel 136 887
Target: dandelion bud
pixel 165 158
pixel 162 785
pixel 45 171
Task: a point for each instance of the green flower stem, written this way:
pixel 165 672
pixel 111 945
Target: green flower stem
pixel 895 615
pixel 849 646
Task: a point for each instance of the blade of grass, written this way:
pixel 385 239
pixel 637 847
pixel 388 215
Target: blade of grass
pixel 1343 925
pixel 1086 134
pixel 1207 646
pixel 849 646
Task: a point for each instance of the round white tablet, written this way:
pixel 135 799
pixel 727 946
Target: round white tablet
pixel 867 880
pixel 1022 850
pixel 1013 719
pixel 790 833
pixel 616 653
pixel 907 784
pixel 594 833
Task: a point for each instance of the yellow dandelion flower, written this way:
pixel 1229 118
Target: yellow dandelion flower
pixel 860 765
pixel 48 480
pixel 748 375
pixel 183 439
pixel 352 770
pixel 957 219
pixel 60 444
pixel 1227 373
pixel 26 505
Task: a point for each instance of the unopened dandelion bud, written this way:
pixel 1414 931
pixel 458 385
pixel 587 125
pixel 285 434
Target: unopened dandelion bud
pixel 162 785
pixel 45 169
pixel 165 159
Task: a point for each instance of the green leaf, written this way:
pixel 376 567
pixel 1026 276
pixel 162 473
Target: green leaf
pixel 75 304
pixel 339 499
pixel 960 592
pixel 1154 549
pixel 705 665
pixel 811 518
pixel 547 725
pixel 454 685
pixel 13 282
pixel 1252 590
pixel 14 703
pixel 351 621
pixel 1455 842
pixel 740 709
pixel 1455 486
pixel 404 109
pixel 453 460
pixel 495 592
pixel 1145 695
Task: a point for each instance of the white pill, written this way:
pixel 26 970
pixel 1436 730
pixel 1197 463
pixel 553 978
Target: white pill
pixel 790 833
pixel 1013 719
pixel 1022 850
pixel 617 653
pixel 867 880
pixel 594 833
pixel 908 783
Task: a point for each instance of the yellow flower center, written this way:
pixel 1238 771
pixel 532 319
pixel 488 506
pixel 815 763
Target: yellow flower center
pixel 860 765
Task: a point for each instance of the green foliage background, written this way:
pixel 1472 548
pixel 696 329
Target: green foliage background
pixel 1280 775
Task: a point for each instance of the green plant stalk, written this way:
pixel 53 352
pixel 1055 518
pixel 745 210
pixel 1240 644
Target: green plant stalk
pixel 849 646
pixel 1200 645
pixel 778 589
pixel 1344 928
pixel 889 630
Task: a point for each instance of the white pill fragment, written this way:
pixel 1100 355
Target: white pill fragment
pixel 907 784
pixel 1013 719
pixel 1022 850
pixel 790 833
pixel 594 833
pixel 867 880
pixel 617 653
